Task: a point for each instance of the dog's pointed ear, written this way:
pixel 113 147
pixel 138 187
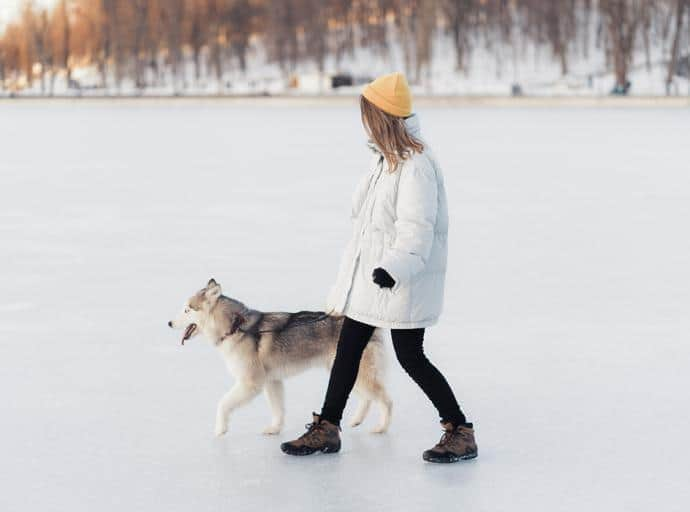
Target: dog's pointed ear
pixel 213 290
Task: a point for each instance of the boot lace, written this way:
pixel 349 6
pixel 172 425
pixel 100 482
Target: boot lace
pixel 449 434
pixel 311 429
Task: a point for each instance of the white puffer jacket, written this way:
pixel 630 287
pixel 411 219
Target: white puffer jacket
pixel 399 223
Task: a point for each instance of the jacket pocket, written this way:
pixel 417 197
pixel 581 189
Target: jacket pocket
pixel 388 241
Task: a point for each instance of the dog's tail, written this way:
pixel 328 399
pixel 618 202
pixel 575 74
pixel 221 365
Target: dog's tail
pixel 377 348
pixel 371 381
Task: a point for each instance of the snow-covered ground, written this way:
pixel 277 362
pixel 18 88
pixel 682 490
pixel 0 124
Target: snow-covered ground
pixel 565 329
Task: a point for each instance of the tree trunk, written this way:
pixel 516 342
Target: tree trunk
pixel 141 10
pixel 65 41
pixel 623 17
pixel 2 70
pixel 680 13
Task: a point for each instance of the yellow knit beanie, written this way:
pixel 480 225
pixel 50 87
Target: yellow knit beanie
pixel 391 94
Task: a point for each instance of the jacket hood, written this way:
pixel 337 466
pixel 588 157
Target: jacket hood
pixel 412 125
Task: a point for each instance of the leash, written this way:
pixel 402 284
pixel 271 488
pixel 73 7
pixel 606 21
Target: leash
pixel 239 320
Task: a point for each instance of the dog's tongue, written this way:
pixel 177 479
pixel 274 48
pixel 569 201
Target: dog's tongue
pixel 188 332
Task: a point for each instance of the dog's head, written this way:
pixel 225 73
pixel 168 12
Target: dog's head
pixel 196 310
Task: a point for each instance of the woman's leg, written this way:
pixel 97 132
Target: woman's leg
pixel 408 344
pixel 352 341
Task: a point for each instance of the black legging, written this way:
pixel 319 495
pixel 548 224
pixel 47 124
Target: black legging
pixel 354 337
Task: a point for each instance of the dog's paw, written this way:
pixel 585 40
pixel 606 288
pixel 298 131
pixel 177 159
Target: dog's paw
pixel 379 429
pixel 356 422
pixel 220 429
pixel 271 430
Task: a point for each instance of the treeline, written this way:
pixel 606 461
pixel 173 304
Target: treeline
pixel 152 42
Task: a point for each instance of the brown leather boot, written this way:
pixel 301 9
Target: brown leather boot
pixel 321 436
pixel 457 443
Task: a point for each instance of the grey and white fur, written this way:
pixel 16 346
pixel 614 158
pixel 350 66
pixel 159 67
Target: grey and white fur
pixel 261 349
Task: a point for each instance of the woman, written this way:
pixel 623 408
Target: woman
pixel 393 270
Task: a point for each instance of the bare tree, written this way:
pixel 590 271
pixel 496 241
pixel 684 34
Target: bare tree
pixel 3 61
pixel 156 42
pixel 459 15
pixel 141 10
pixel 681 6
pixel 623 19
pixel 370 21
pixel 217 36
pixel 283 19
pixel 341 28
pixel 316 31
pixel 63 34
pixel 172 16
pixel 405 21
pixel 29 49
pixel 425 32
pixel 240 22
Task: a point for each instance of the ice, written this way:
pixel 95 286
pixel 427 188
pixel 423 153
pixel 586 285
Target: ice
pixel 564 332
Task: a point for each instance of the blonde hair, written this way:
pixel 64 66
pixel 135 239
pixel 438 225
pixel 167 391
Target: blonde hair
pixel 389 133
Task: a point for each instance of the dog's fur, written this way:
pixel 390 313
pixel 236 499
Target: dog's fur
pixel 262 349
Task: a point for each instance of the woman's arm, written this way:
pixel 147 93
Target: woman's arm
pixel 358 198
pixel 416 209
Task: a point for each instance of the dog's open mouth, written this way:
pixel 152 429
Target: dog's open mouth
pixel 188 332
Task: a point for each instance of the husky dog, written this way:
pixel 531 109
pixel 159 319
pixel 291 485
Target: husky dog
pixel 262 349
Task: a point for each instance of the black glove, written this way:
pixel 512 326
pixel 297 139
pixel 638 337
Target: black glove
pixel 383 278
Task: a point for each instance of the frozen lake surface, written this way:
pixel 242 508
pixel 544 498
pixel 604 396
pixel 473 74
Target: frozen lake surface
pixel 565 331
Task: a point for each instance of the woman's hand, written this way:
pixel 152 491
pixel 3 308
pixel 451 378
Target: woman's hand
pixel 382 278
